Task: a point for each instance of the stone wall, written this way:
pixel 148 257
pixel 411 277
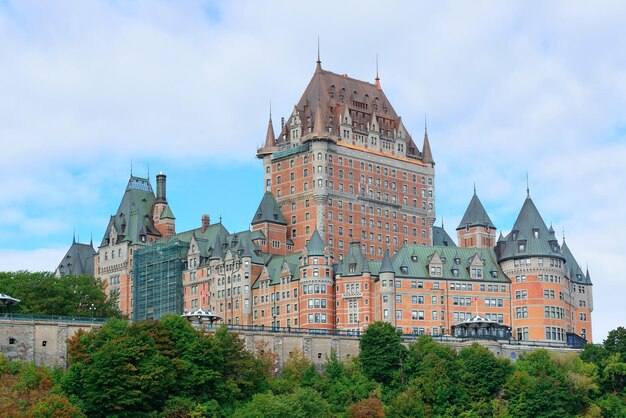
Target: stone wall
pixel 40 342
pixel 46 343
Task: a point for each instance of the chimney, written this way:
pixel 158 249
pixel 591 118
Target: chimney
pixel 206 221
pixel 160 195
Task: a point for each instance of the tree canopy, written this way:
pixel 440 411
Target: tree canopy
pixel 166 368
pixel 44 294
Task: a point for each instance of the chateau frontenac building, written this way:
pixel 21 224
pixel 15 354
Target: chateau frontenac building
pixel 344 236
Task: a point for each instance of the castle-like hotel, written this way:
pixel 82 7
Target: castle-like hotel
pixel 343 236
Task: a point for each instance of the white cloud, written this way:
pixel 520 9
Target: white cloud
pixel 509 88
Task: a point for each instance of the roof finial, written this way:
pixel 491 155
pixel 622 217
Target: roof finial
pixel 131 167
pixel 74 236
pixel 442 222
pixel 425 125
pixel 377 67
pixel 563 234
pixel 91 239
pixel 148 171
pixel 270 109
pixel 527 187
pixel 220 218
pixel 474 187
pixel 319 61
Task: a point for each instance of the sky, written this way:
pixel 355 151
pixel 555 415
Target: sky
pixel 510 89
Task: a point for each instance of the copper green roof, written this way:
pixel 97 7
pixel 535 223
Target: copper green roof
pixel 412 261
pixel 268 211
pixel 167 213
pixel 315 246
pixel 475 215
pixel 354 263
pixel 134 215
pixel 385 265
pixel 572 268
pixel 529 236
pixel 274 265
pixel 441 237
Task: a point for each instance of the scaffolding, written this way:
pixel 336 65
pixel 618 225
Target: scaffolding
pixel 158 280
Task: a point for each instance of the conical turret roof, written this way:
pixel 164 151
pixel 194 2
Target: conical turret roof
pixel 475 215
pixel 315 246
pixel 530 235
pixel 386 266
pixel 270 139
pixel 269 211
pixel 427 155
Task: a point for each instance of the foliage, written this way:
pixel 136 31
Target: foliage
pixel 304 402
pixel 26 390
pixel 367 408
pixel 168 369
pixel 135 370
pixel 44 294
pixel 382 352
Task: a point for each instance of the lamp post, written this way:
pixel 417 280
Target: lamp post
pixel 92 308
pixel 274 321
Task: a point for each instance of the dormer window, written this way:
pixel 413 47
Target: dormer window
pixel 535 233
pixel 413 258
pixel 404 270
pixel 522 246
pixel 477 272
pixel 494 273
pixel 457 260
pixel 352 268
pixel 514 235
pixel 443 259
pixel 455 272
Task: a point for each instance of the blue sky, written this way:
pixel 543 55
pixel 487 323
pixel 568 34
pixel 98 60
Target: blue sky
pixel 184 87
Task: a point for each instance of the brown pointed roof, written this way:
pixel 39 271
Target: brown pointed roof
pixel 334 93
pixel 269 137
pixel 427 155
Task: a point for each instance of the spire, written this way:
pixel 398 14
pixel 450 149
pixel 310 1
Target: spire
pixel 377 78
pixel 386 266
pixel 527 187
pixel 318 126
pixel 270 139
pixel 427 155
pixel 319 61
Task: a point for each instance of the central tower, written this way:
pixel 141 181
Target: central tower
pixel 344 163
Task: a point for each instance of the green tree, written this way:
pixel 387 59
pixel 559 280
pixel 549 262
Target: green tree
pixel 382 353
pixel 615 342
pixel 538 388
pixel 303 403
pixel 344 384
pixel 481 373
pixel 43 293
pixel 435 373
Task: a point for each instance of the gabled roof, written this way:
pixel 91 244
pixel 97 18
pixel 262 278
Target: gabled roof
pixel 475 215
pixel 274 267
pixel 354 263
pixel 413 261
pixel 572 268
pixel 530 236
pixel 77 261
pixel 134 215
pixel 269 211
pixel 315 246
